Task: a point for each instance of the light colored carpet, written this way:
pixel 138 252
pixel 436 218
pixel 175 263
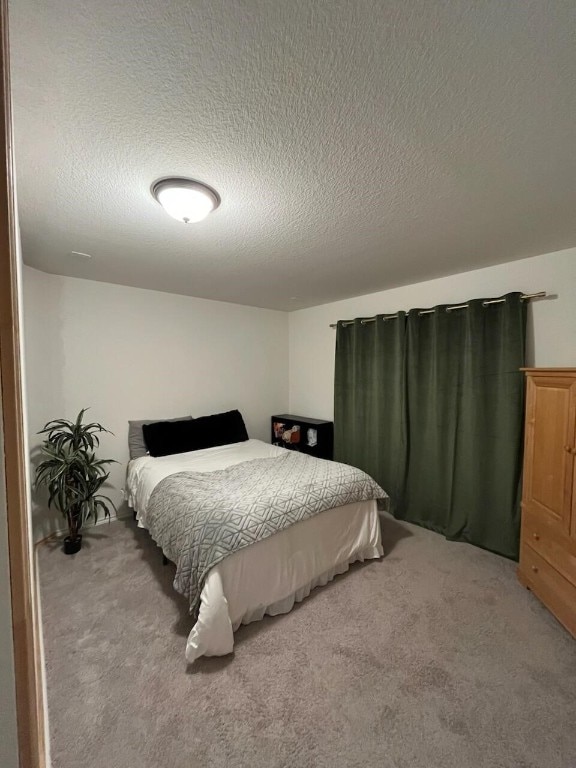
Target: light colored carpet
pixel 434 657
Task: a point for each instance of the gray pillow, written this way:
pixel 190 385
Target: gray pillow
pixel 136 444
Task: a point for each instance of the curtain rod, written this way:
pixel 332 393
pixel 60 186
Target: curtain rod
pixel 524 297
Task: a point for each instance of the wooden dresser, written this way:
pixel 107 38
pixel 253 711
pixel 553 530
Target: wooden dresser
pixel 548 537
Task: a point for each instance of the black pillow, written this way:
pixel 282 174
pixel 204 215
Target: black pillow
pixel 164 438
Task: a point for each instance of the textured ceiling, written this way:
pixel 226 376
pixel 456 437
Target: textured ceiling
pixel 356 145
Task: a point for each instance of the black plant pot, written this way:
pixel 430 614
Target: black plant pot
pixel 71 546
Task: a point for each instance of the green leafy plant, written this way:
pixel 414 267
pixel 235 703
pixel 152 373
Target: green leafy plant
pixel 72 473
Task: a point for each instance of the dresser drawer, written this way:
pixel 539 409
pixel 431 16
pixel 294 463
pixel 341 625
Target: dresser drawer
pixel 550 542
pixel 557 594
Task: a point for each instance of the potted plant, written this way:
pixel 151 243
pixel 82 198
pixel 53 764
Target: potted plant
pixel 73 474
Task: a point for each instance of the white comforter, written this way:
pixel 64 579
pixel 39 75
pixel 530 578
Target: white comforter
pixel 270 576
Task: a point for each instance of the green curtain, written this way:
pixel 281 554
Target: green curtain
pixel 431 405
pixel 370 424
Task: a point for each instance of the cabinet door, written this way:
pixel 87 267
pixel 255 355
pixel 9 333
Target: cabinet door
pixel 550 440
pixel 573 505
pixel 573 515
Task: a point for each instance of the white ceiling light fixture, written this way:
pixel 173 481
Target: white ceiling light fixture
pixel 185 199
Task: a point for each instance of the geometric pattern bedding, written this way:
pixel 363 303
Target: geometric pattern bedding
pixel 199 518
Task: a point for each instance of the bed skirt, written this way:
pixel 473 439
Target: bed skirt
pixel 286 605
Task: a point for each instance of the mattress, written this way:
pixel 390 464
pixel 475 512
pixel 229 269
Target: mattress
pixel 270 576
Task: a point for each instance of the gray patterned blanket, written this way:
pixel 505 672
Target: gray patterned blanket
pixel 199 518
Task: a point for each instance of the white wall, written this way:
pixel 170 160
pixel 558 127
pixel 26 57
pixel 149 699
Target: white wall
pixel 130 353
pixel 551 329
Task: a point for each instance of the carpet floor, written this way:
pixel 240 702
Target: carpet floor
pixel 434 657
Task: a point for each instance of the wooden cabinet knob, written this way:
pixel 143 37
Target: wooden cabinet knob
pixel 536 536
pixel 535 568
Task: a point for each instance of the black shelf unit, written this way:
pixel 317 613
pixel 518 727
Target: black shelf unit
pixel 299 433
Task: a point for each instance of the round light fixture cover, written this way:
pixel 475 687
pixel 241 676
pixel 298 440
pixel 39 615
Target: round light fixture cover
pixel 185 199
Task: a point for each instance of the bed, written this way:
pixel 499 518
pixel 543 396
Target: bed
pixel 267 576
